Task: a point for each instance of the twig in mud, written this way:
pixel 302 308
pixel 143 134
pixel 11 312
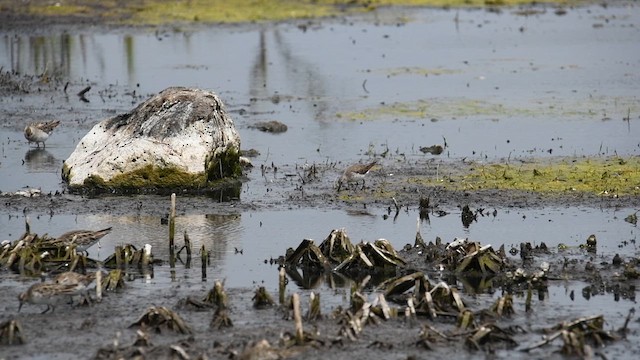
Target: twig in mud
pixel 364 86
pixel 204 257
pixel 623 330
pixel 172 231
pixel 395 203
pixel 83 91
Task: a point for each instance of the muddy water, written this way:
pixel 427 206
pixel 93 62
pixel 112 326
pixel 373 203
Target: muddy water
pixel 493 85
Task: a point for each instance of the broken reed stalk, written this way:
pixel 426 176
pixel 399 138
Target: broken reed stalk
pixel 27 226
pixel 146 255
pixel 172 230
pixel 528 301
pixel 203 254
pixel 187 244
pixel 297 317
pixel 99 284
pixel 84 91
pixel 118 254
pixel 282 281
pixel 74 260
pixel 314 307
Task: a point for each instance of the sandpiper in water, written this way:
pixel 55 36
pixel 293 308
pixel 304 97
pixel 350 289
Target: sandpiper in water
pixel 47 294
pixel 38 132
pixel 83 239
pixel 80 281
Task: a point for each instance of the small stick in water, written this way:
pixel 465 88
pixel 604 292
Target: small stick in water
pixel 298 319
pixel 282 285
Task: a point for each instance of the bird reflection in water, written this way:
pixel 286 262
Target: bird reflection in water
pixel 39 159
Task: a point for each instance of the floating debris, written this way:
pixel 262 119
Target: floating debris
pixel 579 335
pixel 482 260
pixel 433 149
pixel 400 285
pixel 262 299
pixel 129 256
pixel 468 216
pixel 592 243
pixel 314 307
pixel 503 306
pixel 217 296
pixel 338 254
pixel 307 255
pixel 272 126
pixel 263 350
pixel 490 334
pixel 337 246
pixel 371 258
pixel 221 319
pixel 11 333
pixel 159 317
pixel 113 281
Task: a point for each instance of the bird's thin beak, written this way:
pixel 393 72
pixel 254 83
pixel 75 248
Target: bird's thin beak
pixel 20 306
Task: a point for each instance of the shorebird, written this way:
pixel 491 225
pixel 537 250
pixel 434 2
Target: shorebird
pixel 354 173
pixel 48 294
pixel 81 282
pixel 38 132
pixel 82 239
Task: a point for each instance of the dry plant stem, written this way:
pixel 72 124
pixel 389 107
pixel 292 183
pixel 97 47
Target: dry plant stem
pixel 172 231
pixel 146 255
pixel 559 332
pixel 297 317
pixel 118 254
pixel 203 254
pixel 282 285
pixel 99 285
pixel 187 244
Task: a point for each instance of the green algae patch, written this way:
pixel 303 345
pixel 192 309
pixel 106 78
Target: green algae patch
pixel 429 109
pixel 606 177
pixel 404 70
pixel 66 173
pixel 157 177
pixel 223 165
pixel 603 108
pixel 155 12
pixel 60 9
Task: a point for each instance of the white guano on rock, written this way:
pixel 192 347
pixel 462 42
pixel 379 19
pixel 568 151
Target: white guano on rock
pixel 179 128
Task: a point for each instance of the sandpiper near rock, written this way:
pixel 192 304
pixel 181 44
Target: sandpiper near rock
pixel 355 173
pixel 38 132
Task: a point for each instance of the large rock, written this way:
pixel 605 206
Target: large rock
pixel 181 137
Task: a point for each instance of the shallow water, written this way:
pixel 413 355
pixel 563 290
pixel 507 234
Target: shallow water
pixel 492 85
pixel 263 235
